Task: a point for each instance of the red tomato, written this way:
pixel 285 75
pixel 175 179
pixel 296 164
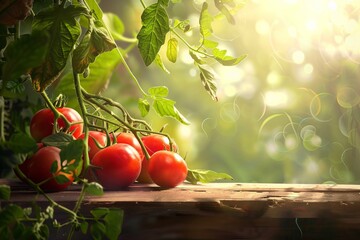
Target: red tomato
pixel 130 139
pixel 157 142
pixel 38 168
pixel 153 143
pixel 42 123
pixel 95 136
pixel 167 169
pixel 119 166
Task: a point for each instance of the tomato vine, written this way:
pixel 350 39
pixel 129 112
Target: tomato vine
pixel 67 40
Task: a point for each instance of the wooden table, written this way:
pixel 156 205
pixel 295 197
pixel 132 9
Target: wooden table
pixel 224 210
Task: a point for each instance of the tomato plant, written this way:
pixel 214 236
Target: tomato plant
pixel 38 169
pixel 167 169
pixel 42 123
pixel 72 48
pixel 117 166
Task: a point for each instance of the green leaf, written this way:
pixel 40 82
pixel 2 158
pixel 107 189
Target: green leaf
pixel 114 25
pixel 182 25
pixel 205 176
pixel 61 179
pixel 205 21
pixel 166 107
pixel 93 44
pixel 165 3
pixel 220 5
pixel 64 30
pixel 99 212
pixel 197 58
pixel 219 53
pixel 172 49
pixel 160 63
pixel 97 230
pixel 220 56
pixel 84 227
pixel 10 214
pixel 208 80
pixel 54 167
pixel 21 143
pixel 113 223
pixel 210 44
pixel 94 188
pixel 143 106
pixel 101 71
pixel 94 6
pixel 155 26
pixel 59 140
pixel 4 192
pixel 23 54
pixel 72 151
pixel 159 91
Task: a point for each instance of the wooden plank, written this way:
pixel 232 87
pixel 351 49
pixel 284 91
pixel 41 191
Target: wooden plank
pixel 222 210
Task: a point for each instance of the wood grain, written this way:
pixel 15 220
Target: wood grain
pixel 223 210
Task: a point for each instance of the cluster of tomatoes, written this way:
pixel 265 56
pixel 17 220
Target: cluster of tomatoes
pixel 116 165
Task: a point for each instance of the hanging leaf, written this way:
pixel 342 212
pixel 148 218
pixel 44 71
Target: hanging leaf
pixel 196 57
pixel 4 192
pixel 113 223
pixel 172 49
pixel 72 151
pixel 205 21
pixel 63 29
pixel 21 143
pixel 166 107
pixel 101 71
pixel 59 140
pixel 160 63
pixel 114 25
pixel 208 80
pixel 94 189
pixel 210 44
pixel 23 54
pixel 94 6
pixel 159 91
pixel 95 42
pixel 220 5
pixel 165 3
pixel 222 58
pixel 143 106
pixel 151 36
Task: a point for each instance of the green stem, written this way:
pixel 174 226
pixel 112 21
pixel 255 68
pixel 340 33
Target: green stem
pixel 77 208
pixel 39 190
pixel 17 30
pixel 2 119
pixel 101 119
pixel 127 39
pixel 90 98
pixel 189 46
pixel 86 127
pixel 132 75
pixel 56 113
pixel 143 3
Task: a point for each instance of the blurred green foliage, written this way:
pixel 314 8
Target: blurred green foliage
pixel 288 113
